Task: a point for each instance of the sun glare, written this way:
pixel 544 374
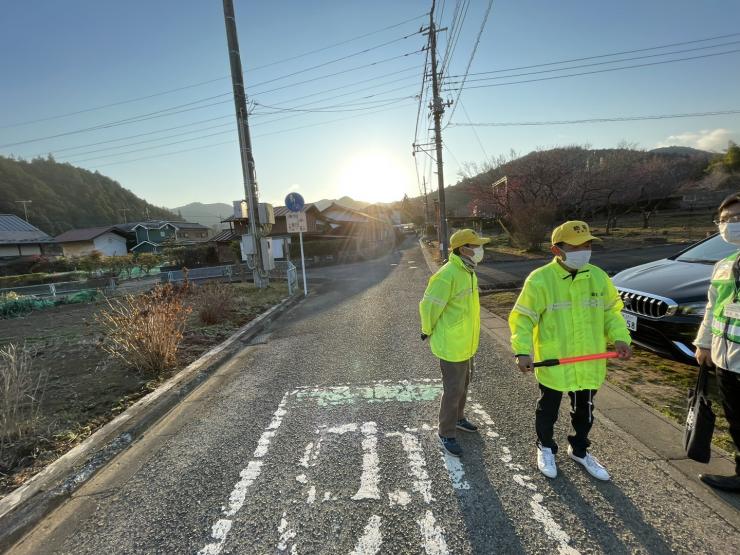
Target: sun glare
pixel 373 178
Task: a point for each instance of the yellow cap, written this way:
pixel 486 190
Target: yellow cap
pixel 467 237
pixel 573 233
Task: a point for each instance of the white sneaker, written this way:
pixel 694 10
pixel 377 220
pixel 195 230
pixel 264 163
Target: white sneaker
pixel 591 464
pixel 546 461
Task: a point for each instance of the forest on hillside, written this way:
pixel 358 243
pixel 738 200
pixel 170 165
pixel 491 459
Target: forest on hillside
pixel 65 197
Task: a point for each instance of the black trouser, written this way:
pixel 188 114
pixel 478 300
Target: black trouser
pixel 729 393
pixel 581 417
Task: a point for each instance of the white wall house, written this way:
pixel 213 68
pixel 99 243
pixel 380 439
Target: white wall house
pixel 18 238
pixel 80 242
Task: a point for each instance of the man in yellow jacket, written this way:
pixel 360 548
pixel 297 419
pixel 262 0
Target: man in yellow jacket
pixel 450 318
pixel 567 308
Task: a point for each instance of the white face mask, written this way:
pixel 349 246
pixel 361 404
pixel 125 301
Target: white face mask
pixel 576 259
pixel 477 255
pixel 730 232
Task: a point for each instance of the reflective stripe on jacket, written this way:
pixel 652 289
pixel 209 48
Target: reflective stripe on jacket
pixel 722 291
pixel 450 312
pixel 560 315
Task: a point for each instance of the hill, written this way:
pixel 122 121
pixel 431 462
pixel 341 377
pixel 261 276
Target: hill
pixel 345 201
pixel 684 151
pixel 65 197
pixel 206 214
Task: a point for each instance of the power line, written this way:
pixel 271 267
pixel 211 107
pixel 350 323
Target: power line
pixel 472 55
pixel 601 63
pixel 472 128
pixel 200 83
pixel 342 58
pixel 232 142
pixel 597 120
pixel 684 43
pixel 338 43
pixel 171 110
pixel 600 70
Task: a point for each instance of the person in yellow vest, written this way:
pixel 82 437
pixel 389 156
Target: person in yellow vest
pixel 568 308
pixel 718 340
pixel 450 318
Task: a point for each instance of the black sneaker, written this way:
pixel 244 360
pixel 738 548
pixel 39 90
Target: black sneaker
pixel 466 425
pixel 450 445
pixel 725 483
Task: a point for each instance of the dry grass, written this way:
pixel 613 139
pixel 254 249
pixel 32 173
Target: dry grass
pixel 145 331
pixel 21 393
pixel 214 302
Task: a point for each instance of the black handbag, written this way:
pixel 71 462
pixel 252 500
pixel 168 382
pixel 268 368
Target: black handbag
pixel 699 421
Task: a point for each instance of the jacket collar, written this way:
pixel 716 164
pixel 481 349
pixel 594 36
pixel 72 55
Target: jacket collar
pixel 457 261
pixel 562 273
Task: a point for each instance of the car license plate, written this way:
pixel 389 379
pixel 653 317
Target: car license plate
pixel 631 320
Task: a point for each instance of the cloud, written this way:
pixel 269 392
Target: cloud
pixel 714 140
pixel 294 187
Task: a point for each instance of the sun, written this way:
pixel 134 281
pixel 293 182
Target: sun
pixel 373 177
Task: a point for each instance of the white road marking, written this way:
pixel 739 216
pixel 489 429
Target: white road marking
pixel 417 464
pixel 311 495
pixel 455 470
pixel 399 497
pixel 220 530
pixel 370 470
pixel 342 429
pixel 433 540
pixel 540 513
pixel 371 540
pixel 306 456
pixel 286 534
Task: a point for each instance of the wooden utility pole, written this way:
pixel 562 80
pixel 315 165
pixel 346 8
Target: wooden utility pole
pixel 438 108
pixel 245 141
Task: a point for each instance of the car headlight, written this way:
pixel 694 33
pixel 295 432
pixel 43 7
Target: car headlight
pixel 692 309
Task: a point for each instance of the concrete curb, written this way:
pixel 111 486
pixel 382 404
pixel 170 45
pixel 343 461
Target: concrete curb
pixel 25 507
pixel 654 435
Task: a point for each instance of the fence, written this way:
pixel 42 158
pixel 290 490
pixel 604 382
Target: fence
pixel 284 270
pixel 62 289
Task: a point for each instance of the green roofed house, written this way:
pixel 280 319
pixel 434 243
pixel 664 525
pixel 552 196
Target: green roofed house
pixel 151 236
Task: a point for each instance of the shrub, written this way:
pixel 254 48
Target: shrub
pixel 215 301
pixel 21 392
pixel 145 331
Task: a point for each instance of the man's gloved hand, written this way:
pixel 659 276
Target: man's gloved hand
pixel 424 336
pixel 524 363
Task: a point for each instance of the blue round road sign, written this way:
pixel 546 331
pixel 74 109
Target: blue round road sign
pixel 294 202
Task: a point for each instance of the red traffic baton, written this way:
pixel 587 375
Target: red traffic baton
pixel 571 360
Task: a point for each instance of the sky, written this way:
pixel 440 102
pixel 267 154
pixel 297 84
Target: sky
pixel 347 126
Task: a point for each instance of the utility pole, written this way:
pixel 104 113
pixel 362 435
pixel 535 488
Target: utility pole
pixel 124 210
pixel 147 212
pixel 426 204
pixel 438 108
pixel 245 141
pixel 25 204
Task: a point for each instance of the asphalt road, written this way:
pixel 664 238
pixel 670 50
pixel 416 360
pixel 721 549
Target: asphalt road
pixel 321 439
pixel 510 274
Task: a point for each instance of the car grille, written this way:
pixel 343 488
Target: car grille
pixel 646 305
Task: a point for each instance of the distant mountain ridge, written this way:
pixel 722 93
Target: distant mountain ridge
pixel 205 214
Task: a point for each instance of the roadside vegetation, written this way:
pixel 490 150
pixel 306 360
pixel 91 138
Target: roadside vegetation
pixel 70 369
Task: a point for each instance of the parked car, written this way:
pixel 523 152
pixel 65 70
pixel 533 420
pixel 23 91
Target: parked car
pixel 664 301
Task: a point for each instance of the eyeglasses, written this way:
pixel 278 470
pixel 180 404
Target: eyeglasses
pixel 730 220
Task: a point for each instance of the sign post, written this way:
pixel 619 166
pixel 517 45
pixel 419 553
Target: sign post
pixel 296 223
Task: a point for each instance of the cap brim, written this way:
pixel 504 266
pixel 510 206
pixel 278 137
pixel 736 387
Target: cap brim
pixel 587 239
pixel 480 241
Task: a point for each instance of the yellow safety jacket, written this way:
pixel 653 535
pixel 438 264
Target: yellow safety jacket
pixel 562 315
pixel 450 312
